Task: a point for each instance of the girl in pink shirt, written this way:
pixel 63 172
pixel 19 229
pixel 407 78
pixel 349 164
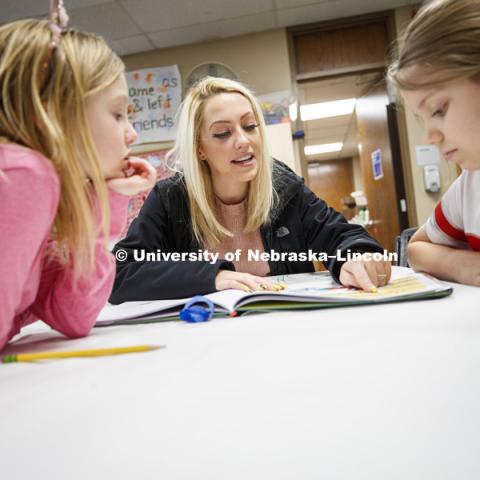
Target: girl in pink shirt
pixel 65 174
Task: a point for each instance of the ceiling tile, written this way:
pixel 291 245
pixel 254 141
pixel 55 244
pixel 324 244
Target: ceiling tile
pixel 340 121
pixel 108 19
pixel 185 20
pixel 279 4
pixel 213 30
pixel 12 10
pixel 331 131
pixel 333 9
pixel 153 18
pixel 307 14
pixel 323 140
pixel 16 9
pixel 69 4
pixel 130 45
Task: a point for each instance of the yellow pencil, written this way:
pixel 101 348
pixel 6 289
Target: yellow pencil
pixel 32 357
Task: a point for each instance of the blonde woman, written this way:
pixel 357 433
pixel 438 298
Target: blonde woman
pixel 64 154
pixel 438 75
pixel 231 197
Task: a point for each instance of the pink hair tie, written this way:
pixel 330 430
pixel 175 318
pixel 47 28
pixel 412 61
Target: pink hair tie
pixel 58 20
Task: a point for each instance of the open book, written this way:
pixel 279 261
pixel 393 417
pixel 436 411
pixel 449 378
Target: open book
pixel 304 291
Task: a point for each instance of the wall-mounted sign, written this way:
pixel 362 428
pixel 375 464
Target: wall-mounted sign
pixel 427 154
pixel 377 166
pixel 154 97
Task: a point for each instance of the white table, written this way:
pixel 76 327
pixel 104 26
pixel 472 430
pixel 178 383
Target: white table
pixel 376 392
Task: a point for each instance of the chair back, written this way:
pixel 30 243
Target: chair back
pixel 401 246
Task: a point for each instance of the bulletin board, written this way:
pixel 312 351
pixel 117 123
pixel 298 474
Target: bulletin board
pixel 154 97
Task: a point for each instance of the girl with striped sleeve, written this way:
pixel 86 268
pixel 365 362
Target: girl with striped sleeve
pixel 438 75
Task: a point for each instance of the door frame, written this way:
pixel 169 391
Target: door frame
pixel 399 141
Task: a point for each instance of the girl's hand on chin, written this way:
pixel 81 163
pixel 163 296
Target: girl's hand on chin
pixel 139 176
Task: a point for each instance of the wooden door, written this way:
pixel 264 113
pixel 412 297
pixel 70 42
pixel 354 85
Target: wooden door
pixel 331 180
pixel 372 123
pixel 339 50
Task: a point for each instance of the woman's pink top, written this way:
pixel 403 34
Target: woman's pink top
pixel 31 287
pixel 234 218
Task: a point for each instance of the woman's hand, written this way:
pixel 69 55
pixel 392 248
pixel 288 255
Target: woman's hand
pixel 366 274
pixel 226 279
pixel 139 176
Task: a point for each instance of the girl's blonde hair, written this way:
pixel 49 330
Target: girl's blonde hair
pixel 42 107
pixel 207 229
pixel 444 38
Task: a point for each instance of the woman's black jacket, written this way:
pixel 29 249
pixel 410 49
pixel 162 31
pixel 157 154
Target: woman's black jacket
pixel 300 221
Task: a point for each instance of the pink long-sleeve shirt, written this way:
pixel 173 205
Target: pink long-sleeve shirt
pixel 31 286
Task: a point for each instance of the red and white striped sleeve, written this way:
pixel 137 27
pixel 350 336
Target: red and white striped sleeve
pixel 446 225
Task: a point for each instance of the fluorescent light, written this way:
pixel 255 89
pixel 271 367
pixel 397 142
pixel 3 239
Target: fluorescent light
pixel 336 108
pixel 324 148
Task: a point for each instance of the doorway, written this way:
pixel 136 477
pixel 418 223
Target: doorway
pixel 332 175
pixel 339 61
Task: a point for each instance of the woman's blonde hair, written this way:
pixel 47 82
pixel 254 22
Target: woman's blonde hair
pixel 443 38
pixel 42 107
pixel 207 229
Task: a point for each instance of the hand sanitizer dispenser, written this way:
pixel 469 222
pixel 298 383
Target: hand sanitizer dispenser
pixel 431 178
pixel 428 156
